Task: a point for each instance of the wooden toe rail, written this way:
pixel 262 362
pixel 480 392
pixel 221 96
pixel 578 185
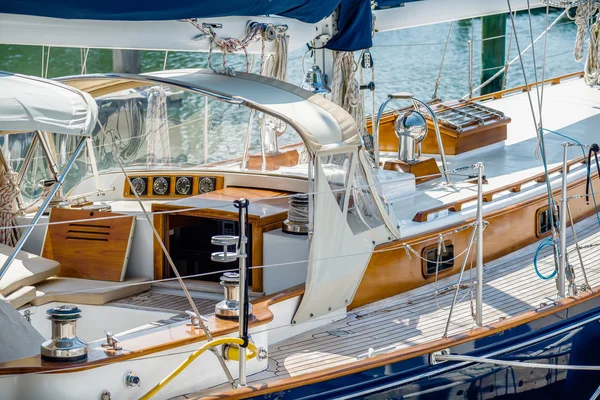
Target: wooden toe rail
pixel 513 187
pixel 152 341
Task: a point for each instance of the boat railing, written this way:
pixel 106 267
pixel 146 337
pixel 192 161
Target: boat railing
pixel 488 196
pixel 476 238
pixel 565 274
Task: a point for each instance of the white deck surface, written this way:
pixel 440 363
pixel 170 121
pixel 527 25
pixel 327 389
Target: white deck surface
pixel 570 108
pixel 511 285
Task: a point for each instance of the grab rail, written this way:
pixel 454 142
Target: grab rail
pixel 513 187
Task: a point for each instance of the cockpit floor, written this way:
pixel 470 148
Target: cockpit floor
pixel 156 299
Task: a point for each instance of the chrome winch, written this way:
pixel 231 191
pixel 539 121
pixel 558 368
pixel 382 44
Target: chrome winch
pixel 229 308
pixel 297 220
pixel 64 345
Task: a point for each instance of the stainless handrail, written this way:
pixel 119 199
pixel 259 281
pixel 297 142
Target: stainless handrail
pixel 415 101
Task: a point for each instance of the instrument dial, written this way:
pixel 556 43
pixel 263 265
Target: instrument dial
pixel 139 185
pixel 206 185
pixel 183 185
pixel 161 186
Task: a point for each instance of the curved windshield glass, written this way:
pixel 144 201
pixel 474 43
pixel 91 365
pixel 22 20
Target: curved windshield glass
pixel 166 127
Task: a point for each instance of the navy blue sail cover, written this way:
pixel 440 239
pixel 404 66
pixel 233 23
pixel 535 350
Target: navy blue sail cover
pixel 354 24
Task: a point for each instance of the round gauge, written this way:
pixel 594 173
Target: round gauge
pixel 139 185
pixel 183 185
pixel 206 185
pixel 160 186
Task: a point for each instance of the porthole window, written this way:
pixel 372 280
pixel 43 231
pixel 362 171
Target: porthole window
pixel 430 255
pixel 543 224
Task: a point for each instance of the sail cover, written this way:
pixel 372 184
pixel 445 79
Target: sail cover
pixel 354 24
pixel 28 104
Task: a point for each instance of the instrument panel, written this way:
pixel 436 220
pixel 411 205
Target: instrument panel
pixel 171 185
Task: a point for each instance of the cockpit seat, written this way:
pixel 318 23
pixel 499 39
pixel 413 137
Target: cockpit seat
pixel 87 291
pixel 20 297
pixel 26 269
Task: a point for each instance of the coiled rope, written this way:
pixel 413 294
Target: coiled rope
pixel 255 31
pixel 345 88
pixel 591 71
pixel 9 190
pixel 584 13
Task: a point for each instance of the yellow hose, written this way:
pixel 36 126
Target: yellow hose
pixel 216 342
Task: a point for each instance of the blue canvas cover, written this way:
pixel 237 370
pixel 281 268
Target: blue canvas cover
pixel 354 24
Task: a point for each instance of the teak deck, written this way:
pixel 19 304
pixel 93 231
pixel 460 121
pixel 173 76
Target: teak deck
pixel 413 323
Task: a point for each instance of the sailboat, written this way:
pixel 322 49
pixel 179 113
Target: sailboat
pixel 215 233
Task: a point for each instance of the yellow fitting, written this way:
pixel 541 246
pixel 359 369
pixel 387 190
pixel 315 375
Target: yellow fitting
pixel 232 352
pixel 253 351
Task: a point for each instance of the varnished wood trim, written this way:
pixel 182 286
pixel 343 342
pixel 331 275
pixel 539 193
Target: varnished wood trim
pixel 158 340
pixel 404 354
pixel 257 258
pixel 524 88
pixel 421 216
pixel 391 272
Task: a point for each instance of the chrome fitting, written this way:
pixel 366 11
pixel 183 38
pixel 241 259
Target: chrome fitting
pixel 130 379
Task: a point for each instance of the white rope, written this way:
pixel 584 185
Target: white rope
pixel 277 65
pixel 255 32
pixel 9 191
pixel 345 89
pixel 582 19
pixel 521 364
pixel 591 71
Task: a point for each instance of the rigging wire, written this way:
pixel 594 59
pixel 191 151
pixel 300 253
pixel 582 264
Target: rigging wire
pixel 357 312
pixel 439 77
pixel 170 261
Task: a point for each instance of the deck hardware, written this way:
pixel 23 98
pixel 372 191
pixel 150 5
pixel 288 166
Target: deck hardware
pixel 27 315
pixel 416 105
pixel 194 321
pixel 64 345
pixel 130 379
pixel 479 249
pixel 315 81
pixel 236 305
pixel 104 395
pixel 433 356
pixel 112 342
pixel 297 222
pixel 562 265
pixel 371 352
pixel 263 354
pixel 544 305
pixel 410 129
pixel 225 256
